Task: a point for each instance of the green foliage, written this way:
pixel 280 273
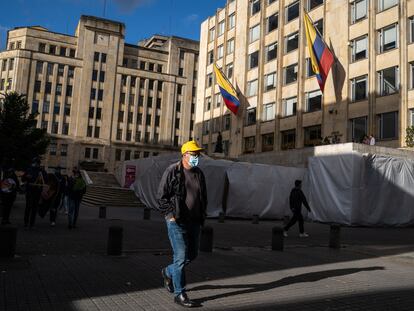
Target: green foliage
pixel 20 140
pixel 409 139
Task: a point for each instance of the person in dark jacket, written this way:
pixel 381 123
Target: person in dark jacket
pixel 182 201
pixel 296 199
pixel 8 190
pixel 76 190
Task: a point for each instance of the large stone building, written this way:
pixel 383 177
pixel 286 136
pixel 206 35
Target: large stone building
pixel 103 100
pixel 261 46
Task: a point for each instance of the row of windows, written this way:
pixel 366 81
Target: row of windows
pixel 6 85
pixel 56 50
pixel 130 118
pixel 128 154
pixel 143 65
pixel 50 67
pixel 15 45
pixel 142 83
pixel 55 127
pixel 158 102
pixel 48 88
pixel 46 108
pixel 291 11
pixel 359 8
pixel 138 137
pixel 53 149
pixel 10 63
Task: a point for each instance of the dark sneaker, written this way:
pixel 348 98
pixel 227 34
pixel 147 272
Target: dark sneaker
pixel 168 283
pixel 184 301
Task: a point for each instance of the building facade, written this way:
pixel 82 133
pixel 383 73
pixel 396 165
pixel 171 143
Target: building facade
pixel 103 100
pixel 261 47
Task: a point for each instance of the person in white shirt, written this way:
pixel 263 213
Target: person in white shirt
pixel 371 140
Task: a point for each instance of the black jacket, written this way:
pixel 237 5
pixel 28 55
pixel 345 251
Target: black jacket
pixel 296 199
pixel 172 193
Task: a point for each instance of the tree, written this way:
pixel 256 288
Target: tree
pixel 20 140
pixel 409 139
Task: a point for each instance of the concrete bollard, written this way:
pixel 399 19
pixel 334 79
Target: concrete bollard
pixel 277 239
pixel 206 240
pixel 222 216
pixel 335 236
pixel 255 219
pixel 115 235
pixel 102 211
pixel 147 214
pixel 8 236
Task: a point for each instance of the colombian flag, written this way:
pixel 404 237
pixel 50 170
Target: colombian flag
pixel 320 55
pixel 227 91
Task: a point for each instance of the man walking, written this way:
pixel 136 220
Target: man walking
pixel 182 197
pixel 296 199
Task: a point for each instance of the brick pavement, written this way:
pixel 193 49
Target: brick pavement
pixel 58 269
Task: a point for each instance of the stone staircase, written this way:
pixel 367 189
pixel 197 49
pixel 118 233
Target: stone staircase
pixel 104 189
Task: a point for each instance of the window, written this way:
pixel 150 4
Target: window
pixel 226 122
pixel 386 4
pixel 232 21
pixel 102 76
pixel 142 65
pixel 206 127
pixel 254 60
pixel 220 52
pixel 151 66
pixel 44 125
pixel 271 52
pixel 177 123
pixel 249 144
pixel 411 26
pixel 292 11
pixel 208 104
pixel 42 47
pixel 3 82
pixel 289 106
pixel 220 29
pixel 11 63
pixel 209 80
pixel 67 110
pixel 52 148
pixel 270 82
pixel 181 72
pixel 120 116
pixel 359 88
pixel 411 75
pixel 93 94
pixel 50 69
pixel 358 129
pixel 71 71
pixel 63 150
pixel 89 131
pixel 11 46
pixel 61 69
pixel 254 6
pixel 58 89
pixel 212 34
pixel 56 108
pixel 91 112
pixel 218 99
pixel 313 101
pixel 314 3
pixel 319 26
pixel 291 42
pixel 55 127
pixel 136 154
pixel 268 112
pixel 388 125
pixel 229 70
pixel 359 9
pixel 87 153
pixel 94 75
pixel 119 134
pixel 65 129
pixel 39 67
pixel 4 64
pixel 18 45
pixel 412 117
pixel 98 113
pixel 269 2
pixel 267 142
pixel 118 154
pixel 72 53
pixel 251 88
pixel 100 94
pixel 359 48
pixel 290 73
pixel 52 49
pixel 309 68
pixel 388 81
pixel 37 86
pixel 62 51
pixel 210 57
pixel 272 22
pixel 69 90
pixel 95 153
pixel 48 87
pixel 157 120
pixel 250 116
pixel 254 33
pixel 288 139
pixel 230 46
pixel 46 106
pixel 313 135
pixel 103 58
pixel 96 57
pixel 9 84
pixel 387 38
pixel 35 106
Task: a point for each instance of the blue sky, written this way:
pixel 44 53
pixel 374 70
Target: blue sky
pixel 141 17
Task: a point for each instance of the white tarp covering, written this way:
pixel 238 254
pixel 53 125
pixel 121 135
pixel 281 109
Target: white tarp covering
pixel 362 190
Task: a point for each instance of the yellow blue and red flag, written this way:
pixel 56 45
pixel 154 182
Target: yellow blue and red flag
pixel 228 92
pixel 321 57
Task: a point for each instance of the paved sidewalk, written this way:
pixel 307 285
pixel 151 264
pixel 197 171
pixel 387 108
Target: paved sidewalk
pixel 61 269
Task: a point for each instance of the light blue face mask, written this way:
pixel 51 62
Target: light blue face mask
pixel 193 161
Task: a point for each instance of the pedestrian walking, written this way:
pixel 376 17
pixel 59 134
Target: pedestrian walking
pixel 8 192
pixel 76 190
pixel 182 197
pixel 59 196
pixel 34 177
pixel 296 199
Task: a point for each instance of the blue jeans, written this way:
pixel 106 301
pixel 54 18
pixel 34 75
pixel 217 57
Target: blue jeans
pixel 73 211
pixel 184 239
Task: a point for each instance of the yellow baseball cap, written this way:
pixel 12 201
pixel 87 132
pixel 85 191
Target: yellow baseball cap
pixel 190 146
